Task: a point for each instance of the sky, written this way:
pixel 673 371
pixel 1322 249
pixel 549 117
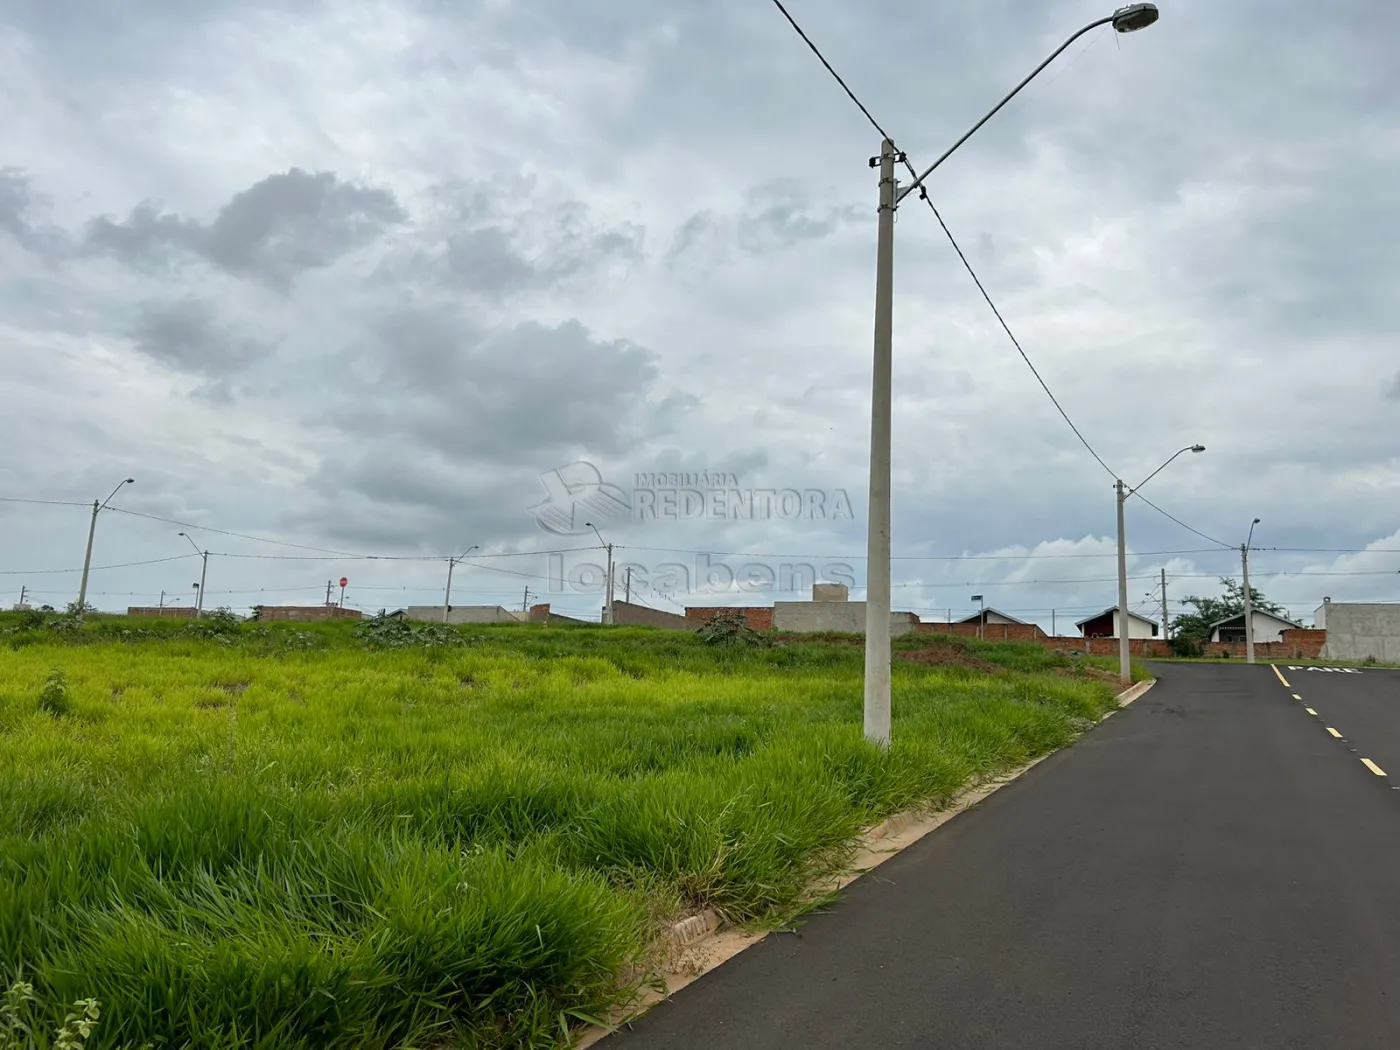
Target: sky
pixel 404 278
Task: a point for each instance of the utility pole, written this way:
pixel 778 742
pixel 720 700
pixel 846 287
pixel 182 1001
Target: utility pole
pixel 877 562
pixel 1125 659
pixel 447 594
pixel 525 602
pixel 1054 633
pixel 981 601
pixel 1166 613
pixel 608 599
pixel 87 556
pixel 1248 596
pixel 203 575
pixel 628 587
pixel 328 593
pixel 162 601
pixel 22 589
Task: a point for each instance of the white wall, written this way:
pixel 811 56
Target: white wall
pixel 1267 628
pixel 463 614
pixel 1136 628
pixel 846 617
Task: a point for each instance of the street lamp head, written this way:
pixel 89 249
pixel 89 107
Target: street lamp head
pixel 1198 448
pixel 1134 17
pixel 1256 521
pixel 129 481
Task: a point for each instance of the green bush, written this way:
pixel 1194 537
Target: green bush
pixel 730 630
pixel 53 698
pixel 1187 646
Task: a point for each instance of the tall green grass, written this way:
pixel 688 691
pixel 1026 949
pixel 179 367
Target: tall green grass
pixel 244 842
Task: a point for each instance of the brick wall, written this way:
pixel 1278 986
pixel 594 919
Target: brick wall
pixel 541 614
pixel 170 612
pixel 759 618
pixel 306 612
pixel 1299 644
pixel 992 632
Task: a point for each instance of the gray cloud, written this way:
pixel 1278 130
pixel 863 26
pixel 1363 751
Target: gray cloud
pixel 19 208
pixel 774 216
pixel 1392 392
pixel 186 336
pixel 523 394
pixel 277 228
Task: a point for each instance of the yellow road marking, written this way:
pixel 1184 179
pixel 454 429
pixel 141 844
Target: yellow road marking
pixel 1334 732
pixel 1280 676
pixel 1373 767
pixel 1310 711
pixel 1296 697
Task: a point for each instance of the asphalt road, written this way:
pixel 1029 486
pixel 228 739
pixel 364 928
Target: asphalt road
pixel 1209 868
pixel 1362 704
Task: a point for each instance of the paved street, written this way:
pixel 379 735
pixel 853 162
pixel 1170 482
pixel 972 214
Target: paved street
pixel 1209 868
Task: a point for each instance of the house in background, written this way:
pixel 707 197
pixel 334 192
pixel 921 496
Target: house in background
pixel 992 616
pixel 1267 628
pixel 1105 625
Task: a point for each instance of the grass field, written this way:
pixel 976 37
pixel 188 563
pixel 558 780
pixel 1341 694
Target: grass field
pixel 304 838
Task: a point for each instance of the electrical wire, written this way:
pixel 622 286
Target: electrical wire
pixel 822 58
pixel 46 502
pixel 93 568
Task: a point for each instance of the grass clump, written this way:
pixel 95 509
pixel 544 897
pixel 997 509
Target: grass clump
pixel 341 835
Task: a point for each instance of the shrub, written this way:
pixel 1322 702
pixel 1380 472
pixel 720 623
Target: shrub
pixel 1186 645
pixel 214 624
pixel 730 630
pixel 53 698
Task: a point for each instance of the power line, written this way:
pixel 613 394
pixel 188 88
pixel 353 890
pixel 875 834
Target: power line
pixel 1183 524
pixel 912 557
pixel 95 568
pixel 46 502
pixel 822 58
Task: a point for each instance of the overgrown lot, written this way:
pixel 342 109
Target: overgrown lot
pixel 371 838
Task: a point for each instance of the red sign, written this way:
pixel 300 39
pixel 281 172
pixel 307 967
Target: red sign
pixel 343 582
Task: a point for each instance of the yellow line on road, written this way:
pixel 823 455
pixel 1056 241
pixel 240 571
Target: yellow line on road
pixel 1310 711
pixel 1296 697
pixel 1334 732
pixel 1280 676
pixel 1373 767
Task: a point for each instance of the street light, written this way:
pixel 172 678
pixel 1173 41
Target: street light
pixel 1248 598
pixel 877 584
pixel 1125 659
pixel 607 612
pixel 447 595
pixel 87 556
pixel 203 574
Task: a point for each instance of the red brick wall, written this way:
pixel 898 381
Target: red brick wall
pixel 992 632
pixel 170 612
pixel 758 617
pixel 1300 644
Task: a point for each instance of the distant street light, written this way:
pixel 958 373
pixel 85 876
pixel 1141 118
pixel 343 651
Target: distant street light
pixel 87 556
pixel 1248 598
pixel 1125 659
pixel 203 574
pixel 608 610
pixel 447 595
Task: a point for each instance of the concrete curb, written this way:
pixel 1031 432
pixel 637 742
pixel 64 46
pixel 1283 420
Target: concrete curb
pixel 891 836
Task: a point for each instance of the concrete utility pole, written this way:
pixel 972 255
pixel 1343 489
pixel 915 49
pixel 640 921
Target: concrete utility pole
pixel 22 589
pixel 1166 613
pixel 87 557
pixel 981 615
pixel 203 575
pixel 1248 597
pixel 1125 663
pixel 329 583
pixel 627 591
pixel 608 601
pixel 447 594
pixel 877 563
pixel 877 566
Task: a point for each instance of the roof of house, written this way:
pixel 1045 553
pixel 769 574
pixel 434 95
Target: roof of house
pixel 1114 609
pixel 989 611
pixel 1257 612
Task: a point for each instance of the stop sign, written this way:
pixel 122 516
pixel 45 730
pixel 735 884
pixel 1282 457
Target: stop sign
pixel 343 581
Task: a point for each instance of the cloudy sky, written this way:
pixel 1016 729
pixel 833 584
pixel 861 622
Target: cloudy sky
pixel 355 276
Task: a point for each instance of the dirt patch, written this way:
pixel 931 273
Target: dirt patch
pixel 1096 674
pixel 946 654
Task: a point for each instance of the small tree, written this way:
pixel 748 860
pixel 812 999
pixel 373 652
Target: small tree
pixel 730 629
